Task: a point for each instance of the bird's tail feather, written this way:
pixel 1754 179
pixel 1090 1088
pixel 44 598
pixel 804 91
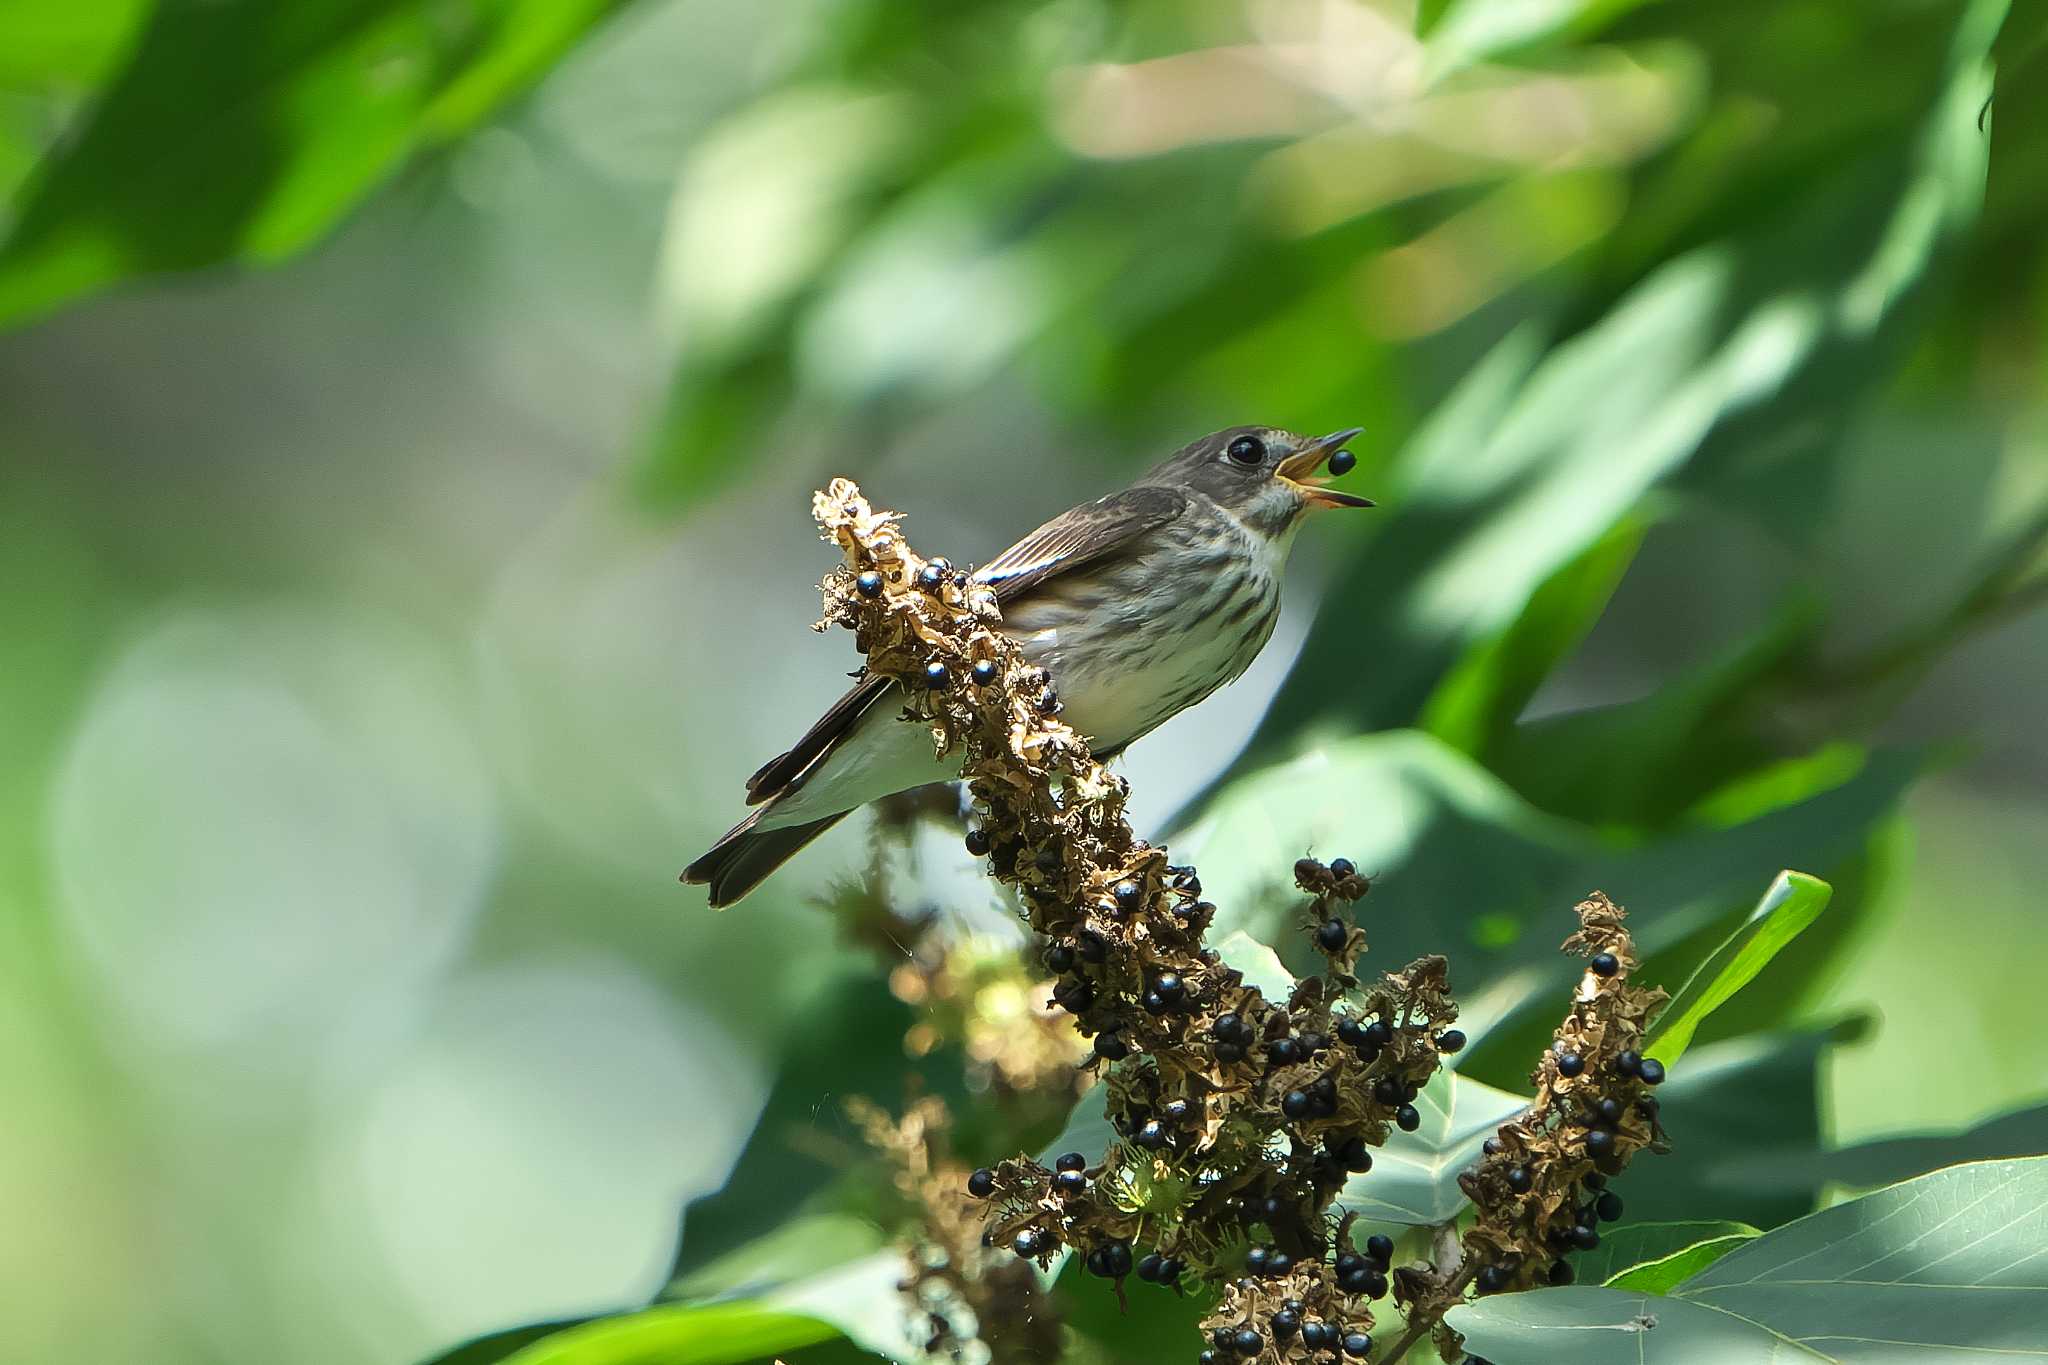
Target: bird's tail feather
pixel 745 857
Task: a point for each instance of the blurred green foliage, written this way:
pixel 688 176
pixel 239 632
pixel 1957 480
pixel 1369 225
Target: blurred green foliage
pixel 1700 351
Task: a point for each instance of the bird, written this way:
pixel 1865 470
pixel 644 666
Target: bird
pixel 1139 604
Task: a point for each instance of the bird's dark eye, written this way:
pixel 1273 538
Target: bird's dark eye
pixel 1247 450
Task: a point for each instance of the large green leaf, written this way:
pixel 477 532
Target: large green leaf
pixel 1950 1266
pixel 1656 1256
pixel 1793 901
pixel 240 130
pixel 1414 1177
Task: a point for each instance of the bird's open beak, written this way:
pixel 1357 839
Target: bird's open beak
pixel 1304 469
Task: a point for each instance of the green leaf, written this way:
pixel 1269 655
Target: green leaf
pixel 1793 901
pixel 498 1346
pixel 1414 1177
pixel 1656 1256
pixel 1260 965
pixel 1479 701
pixel 699 1334
pixel 1946 1267
pixel 1088 1130
pixel 241 130
pixel 1883 1161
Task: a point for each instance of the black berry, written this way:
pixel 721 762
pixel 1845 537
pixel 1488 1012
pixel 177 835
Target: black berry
pixel 982 1183
pixel 1071 1182
pixel 1228 1052
pixel 1285 1324
pixel 1316 1336
pixel 1519 1179
pixel 1379 1033
pixel 1070 1161
pixel 1357 1345
pixel 1450 1040
pixel 1584 1238
pixel 1609 1207
pixel 1255 1260
pixel 1176 1111
pixel 1169 986
pixel 1278 1264
pixel 868 584
pixel 1651 1070
pixel 935 674
pixel 1059 959
pixel 1561 1272
pixel 983 672
pixel 931 577
pixel 1025 1243
pixel 1408 1117
pixel 1332 936
pixel 1629 1063
pixel 1342 463
pixel 1492 1279
pixel 1350 1032
pixel 1570 1064
pixel 1605 964
pixel 1248 1341
pixel 1151 1135
pixel 1117 1255
pixel 1282 1052
pixel 1111 1047
pixel 1380 1247
pixel 1599 1142
pixel 1171 1269
pixel 1127 893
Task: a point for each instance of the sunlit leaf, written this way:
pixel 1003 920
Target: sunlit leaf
pixel 302 109
pixel 1793 901
pixel 1656 1256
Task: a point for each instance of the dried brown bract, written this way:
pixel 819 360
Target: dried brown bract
pixel 1239 1117
pixel 962 1290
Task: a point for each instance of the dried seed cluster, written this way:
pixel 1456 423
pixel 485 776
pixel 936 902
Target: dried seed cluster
pixel 1541 1188
pixel 961 1290
pixel 1239 1117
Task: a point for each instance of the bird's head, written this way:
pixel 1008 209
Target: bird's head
pixel 1265 477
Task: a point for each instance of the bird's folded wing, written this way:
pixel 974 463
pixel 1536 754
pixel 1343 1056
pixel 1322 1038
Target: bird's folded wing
pixel 1080 537
pixel 1069 541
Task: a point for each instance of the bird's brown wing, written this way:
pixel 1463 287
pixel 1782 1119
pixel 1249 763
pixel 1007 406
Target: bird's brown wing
pixel 1079 537
pixel 1069 541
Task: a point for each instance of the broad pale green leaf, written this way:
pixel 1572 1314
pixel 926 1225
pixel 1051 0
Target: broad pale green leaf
pixel 1948 1267
pixel 1414 1178
pixel 1261 966
pixel 1656 1256
pixel 697 1334
pixel 243 129
pixel 1088 1130
pixel 1793 901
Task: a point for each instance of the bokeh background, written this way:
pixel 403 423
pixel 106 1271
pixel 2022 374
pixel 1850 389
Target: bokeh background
pixel 407 418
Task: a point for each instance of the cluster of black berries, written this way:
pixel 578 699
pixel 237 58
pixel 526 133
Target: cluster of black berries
pixel 1334 884
pixel 1541 1187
